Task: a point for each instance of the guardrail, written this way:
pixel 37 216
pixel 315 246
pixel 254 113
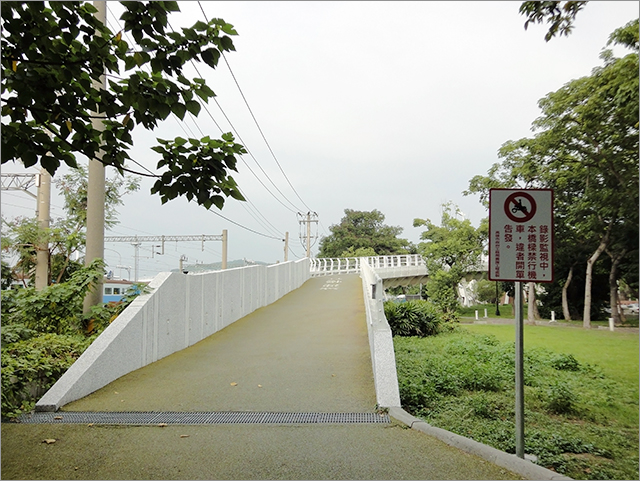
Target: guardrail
pixel 352 265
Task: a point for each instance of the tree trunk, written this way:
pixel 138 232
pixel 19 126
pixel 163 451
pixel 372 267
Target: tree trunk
pixel 586 317
pixel 532 308
pixel 565 301
pixel 613 285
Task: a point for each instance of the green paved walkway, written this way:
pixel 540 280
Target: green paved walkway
pixel 308 352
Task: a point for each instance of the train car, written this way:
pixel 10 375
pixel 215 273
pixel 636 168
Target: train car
pixel 113 290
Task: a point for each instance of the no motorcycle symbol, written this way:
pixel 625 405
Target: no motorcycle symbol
pixel 520 207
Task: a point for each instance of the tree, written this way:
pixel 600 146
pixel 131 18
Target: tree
pixel 450 250
pixel 559 16
pixel 365 233
pixel 54 55
pixel 66 236
pixel 73 187
pixel 7 276
pixel 585 148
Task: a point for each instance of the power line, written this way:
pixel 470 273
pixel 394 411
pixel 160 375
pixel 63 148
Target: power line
pixel 259 129
pixel 262 133
pixel 245 228
pixel 220 215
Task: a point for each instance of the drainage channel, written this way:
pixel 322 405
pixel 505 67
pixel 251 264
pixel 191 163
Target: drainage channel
pixel 192 418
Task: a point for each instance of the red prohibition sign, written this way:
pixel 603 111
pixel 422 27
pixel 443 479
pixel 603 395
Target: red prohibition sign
pixel 512 205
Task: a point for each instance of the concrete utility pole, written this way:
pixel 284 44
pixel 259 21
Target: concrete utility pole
pixel 96 194
pixel 286 246
pixel 307 219
pixel 42 181
pixel 44 218
pixel 225 242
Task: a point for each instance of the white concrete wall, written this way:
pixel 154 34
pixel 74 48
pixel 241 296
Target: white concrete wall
pixel 180 311
pixel 383 356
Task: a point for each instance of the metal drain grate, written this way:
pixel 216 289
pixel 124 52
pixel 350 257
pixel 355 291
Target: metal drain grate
pixel 190 418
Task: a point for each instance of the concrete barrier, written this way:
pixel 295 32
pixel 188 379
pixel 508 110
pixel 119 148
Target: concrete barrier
pixel 180 311
pixel 383 357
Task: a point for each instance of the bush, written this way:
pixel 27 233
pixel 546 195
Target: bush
pixel 561 400
pixel 412 318
pixel 56 308
pixel 44 332
pixel 30 367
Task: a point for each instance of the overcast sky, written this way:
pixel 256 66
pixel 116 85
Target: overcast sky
pixel 392 106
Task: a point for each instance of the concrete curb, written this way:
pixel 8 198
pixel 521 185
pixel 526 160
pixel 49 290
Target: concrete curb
pixel 508 461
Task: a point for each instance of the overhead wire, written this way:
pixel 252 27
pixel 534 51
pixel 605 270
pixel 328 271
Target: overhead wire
pixel 259 129
pixel 182 125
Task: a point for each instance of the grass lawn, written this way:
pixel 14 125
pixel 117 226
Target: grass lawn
pixel 615 352
pixel 581 393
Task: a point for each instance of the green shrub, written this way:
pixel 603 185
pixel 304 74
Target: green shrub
pixel 565 362
pixel 412 318
pixel 561 400
pixel 30 367
pixel 56 308
pixel 16 332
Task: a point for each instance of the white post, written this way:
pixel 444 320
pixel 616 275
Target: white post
pixel 44 216
pixel 476 315
pixel 553 316
pixel 611 323
pixel 485 314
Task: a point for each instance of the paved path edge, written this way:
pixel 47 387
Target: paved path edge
pixel 511 462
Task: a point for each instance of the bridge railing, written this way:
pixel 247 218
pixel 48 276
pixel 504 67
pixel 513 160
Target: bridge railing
pixel 353 265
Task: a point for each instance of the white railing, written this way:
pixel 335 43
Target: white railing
pixel 352 265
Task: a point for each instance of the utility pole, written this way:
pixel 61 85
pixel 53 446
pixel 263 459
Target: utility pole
pixel 96 193
pixel 136 245
pixel 43 214
pixel 286 246
pixel 307 219
pixel 225 242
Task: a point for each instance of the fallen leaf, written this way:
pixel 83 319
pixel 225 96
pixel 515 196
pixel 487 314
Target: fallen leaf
pixel 57 417
pixel 116 392
pixel 259 385
pixel 162 425
pixel 234 383
pixel 90 424
pixel 49 441
pixel 184 435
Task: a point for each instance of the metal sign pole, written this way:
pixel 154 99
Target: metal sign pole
pixel 519 372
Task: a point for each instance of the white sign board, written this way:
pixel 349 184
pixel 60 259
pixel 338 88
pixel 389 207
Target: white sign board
pixel 521 235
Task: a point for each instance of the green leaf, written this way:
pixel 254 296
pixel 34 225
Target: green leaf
pixel 228 29
pixel 179 109
pixel 210 57
pixel 194 107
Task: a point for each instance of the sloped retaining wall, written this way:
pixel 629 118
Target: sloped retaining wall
pixel 180 311
pixel 383 357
